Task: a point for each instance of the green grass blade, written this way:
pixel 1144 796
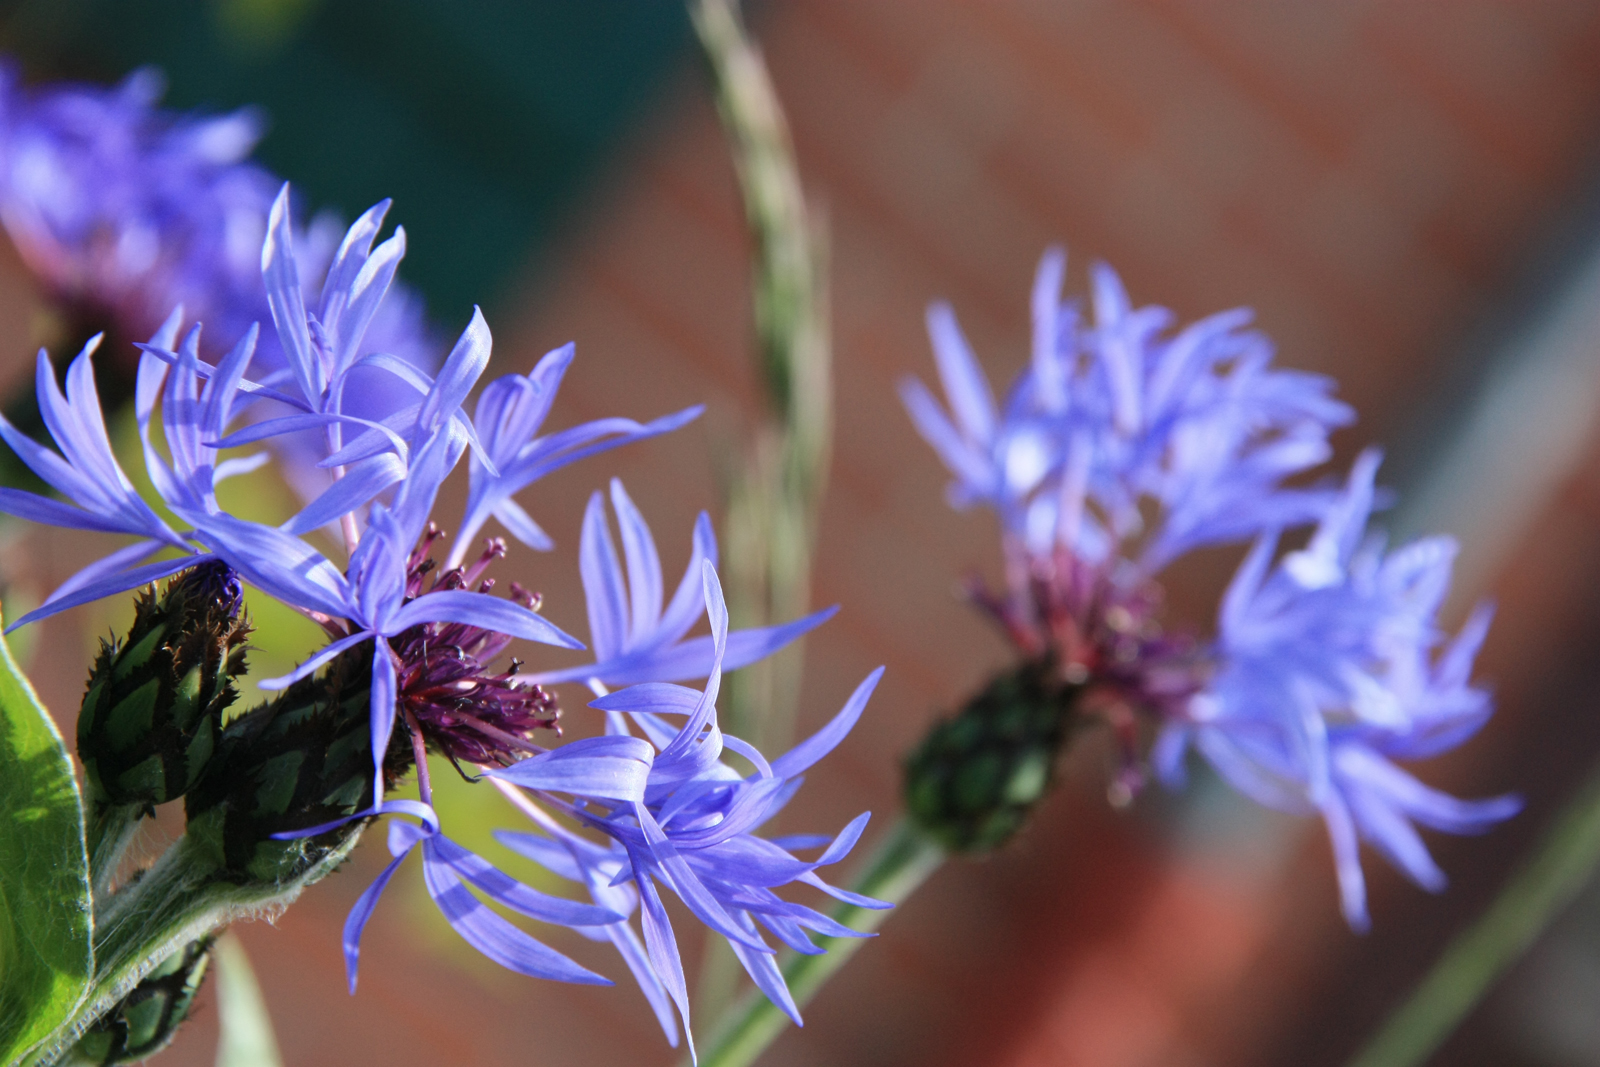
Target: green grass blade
pixel 247 1039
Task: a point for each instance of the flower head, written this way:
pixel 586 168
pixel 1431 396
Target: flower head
pixel 421 645
pixel 1122 446
pixel 159 222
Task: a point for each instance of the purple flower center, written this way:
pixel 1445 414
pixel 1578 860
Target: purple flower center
pixel 1104 634
pixel 467 711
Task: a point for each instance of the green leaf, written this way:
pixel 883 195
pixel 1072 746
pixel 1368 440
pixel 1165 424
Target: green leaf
pixel 247 1039
pixel 46 954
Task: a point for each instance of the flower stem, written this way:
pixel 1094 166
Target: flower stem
pixel 775 496
pixel 1560 867
pixel 774 492
pixel 178 899
pixel 902 862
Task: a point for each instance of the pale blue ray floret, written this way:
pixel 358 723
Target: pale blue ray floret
pixel 1116 412
pixel 632 637
pixel 692 831
pixel 599 769
pixel 509 415
pixel 1328 670
pixel 87 472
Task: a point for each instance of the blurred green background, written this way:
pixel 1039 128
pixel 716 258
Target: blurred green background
pixel 484 119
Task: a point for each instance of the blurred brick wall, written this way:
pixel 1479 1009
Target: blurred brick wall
pixel 1365 175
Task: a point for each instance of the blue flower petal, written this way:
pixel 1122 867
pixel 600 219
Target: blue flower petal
pixel 493 936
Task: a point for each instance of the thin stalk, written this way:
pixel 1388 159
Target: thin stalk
pixel 178 899
pixel 774 497
pixel 902 863
pixel 1560 867
pixel 246 1038
pixel 774 500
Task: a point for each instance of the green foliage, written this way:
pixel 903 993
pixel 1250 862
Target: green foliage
pixel 301 759
pixel 180 899
pixel 147 1019
pixel 976 776
pixel 156 700
pixel 46 958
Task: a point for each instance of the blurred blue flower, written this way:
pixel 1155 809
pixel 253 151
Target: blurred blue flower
pixel 1125 444
pixel 119 206
pixel 125 210
pixel 1114 415
pixel 1328 669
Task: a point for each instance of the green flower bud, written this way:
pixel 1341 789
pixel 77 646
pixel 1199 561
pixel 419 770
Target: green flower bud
pixel 975 777
pixel 153 712
pixel 300 760
pixel 145 1021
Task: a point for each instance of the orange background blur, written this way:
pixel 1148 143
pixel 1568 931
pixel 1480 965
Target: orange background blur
pixel 1383 183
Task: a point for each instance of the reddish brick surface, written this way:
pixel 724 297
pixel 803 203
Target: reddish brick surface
pixel 1365 175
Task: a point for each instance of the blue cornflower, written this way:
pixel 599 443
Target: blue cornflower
pixel 1113 415
pixel 1124 445
pixel 509 414
pixel 669 810
pixel 408 455
pixel 634 639
pixel 1327 670
pixel 692 831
